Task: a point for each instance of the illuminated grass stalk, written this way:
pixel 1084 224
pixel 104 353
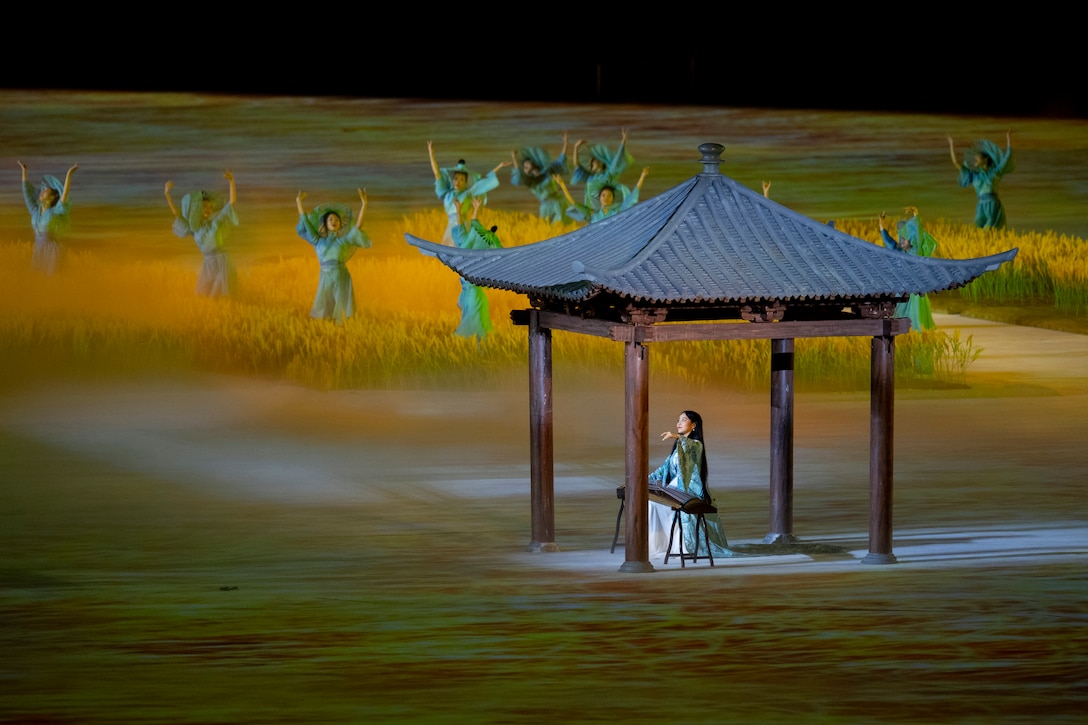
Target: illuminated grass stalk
pixel 108 317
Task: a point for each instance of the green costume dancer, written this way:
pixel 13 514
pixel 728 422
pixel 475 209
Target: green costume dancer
pixel 535 170
pixel 606 200
pixel 913 239
pixel 602 168
pixel 48 217
pixel 206 219
pixel 990 164
pixel 325 229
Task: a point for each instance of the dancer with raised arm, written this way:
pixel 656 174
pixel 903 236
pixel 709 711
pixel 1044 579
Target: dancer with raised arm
pixel 326 228
pixel 535 170
pixel 49 217
pixel 913 239
pixel 988 165
pixel 608 200
pixel 456 187
pixel 207 219
pixel 599 166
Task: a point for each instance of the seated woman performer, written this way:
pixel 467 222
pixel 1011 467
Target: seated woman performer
pixel 686 469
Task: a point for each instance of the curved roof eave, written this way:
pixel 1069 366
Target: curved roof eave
pixel 708 240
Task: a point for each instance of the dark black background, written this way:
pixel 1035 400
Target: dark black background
pixel 978 63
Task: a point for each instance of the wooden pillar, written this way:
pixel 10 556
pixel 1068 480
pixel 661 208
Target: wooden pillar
pixel 781 443
pixel 881 437
pixel 541 426
pixel 636 444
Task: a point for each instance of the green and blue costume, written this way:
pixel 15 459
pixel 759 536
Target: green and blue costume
pixel 218 277
pixel 335 298
pixel 49 224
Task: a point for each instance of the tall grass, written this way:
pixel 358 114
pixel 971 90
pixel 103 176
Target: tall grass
pixel 1050 268
pixel 106 317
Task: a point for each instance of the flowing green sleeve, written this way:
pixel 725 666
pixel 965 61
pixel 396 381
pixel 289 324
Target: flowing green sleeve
pixel 29 198
pixel 688 452
pixel 306 229
pixel 357 238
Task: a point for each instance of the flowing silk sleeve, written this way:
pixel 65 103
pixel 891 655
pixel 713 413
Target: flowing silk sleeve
pixel 442 185
pixel 29 198
pixel 181 227
pixel 306 230
pixel 689 452
pixel 620 161
pixel 227 213
pixel 517 178
pixel 579 212
pixel 928 244
pixel 1005 164
pixel 484 184
pixel 356 238
pixel 888 241
pixel 967 177
pixel 559 166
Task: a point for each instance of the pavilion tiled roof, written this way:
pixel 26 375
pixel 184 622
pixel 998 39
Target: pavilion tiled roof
pixel 709 240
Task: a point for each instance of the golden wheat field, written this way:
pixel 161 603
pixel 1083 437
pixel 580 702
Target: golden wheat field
pixel 223 511
pixel 126 317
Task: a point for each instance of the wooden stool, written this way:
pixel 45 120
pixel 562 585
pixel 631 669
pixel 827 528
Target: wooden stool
pixel 621 494
pixel 699 509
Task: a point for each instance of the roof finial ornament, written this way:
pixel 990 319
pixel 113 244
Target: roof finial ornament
pixel 712 157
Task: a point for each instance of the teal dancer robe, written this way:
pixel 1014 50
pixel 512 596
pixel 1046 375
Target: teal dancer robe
pixel 543 186
pixel 218 277
pixel 989 212
pixel 475 312
pixel 335 298
pixel 458 205
pixel 624 199
pixel 49 225
pixel 920 243
pixel 614 165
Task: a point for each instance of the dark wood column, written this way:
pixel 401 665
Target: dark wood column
pixel 881 438
pixel 637 435
pixel 781 443
pixel 541 450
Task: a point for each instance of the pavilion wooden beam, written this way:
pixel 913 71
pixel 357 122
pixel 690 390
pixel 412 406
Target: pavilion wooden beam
pixel 541 427
pixel 760 330
pixel 677 332
pixel 881 458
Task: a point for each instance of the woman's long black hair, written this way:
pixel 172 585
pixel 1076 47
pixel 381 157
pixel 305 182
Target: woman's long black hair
pixel 697 434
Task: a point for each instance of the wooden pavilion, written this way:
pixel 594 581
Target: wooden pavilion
pixel 710 259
